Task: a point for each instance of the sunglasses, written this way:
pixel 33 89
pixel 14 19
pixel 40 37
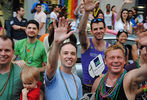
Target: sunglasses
pixel 121 31
pixel 97 20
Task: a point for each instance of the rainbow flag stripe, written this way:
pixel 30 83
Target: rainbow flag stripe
pixel 71 6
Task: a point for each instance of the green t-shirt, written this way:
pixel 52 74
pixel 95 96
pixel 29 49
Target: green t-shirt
pixel 33 54
pixel 14 85
pixel 37 58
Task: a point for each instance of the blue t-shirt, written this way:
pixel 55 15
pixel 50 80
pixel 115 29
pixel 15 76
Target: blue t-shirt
pixel 55 88
pixel 133 22
pixel 90 54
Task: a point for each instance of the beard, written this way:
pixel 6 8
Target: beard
pixel 31 37
pixel 98 39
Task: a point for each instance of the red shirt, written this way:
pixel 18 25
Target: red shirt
pixel 34 94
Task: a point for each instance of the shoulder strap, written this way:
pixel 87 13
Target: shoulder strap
pixel 107 44
pixel 91 43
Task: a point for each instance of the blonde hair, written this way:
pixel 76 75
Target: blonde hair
pixel 114 47
pixel 29 73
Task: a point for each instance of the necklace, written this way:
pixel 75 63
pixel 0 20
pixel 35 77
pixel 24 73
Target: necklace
pixel 67 87
pixel 3 89
pixel 31 57
pixel 96 12
pixel 112 92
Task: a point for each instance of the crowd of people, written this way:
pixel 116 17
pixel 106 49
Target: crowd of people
pixel 39 65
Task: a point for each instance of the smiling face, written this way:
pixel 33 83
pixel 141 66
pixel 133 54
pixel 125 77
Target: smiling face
pixel 122 38
pixel 98 30
pixel 68 55
pixel 124 14
pixel 32 30
pixel 6 52
pixel 115 61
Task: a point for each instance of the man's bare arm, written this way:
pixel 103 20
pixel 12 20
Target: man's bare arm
pixel 122 5
pixel 83 37
pixel 132 81
pixel 59 36
pixel 136 76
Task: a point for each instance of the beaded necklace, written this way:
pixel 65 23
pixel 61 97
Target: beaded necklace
pixel 3 89
pixel 96 12
pixel 31 57
pixel 67 87
pixel 112 92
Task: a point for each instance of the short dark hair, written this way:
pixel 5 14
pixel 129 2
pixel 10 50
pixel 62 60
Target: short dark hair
pixel 5 37
pixel 66 44
pixel 18 8
pixel 107 5
pixel 54 6
pixel 97 20
pixel 39 4
pixel 130 11
pixel 33 22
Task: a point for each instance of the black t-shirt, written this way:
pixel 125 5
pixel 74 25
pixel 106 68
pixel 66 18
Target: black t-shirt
pixel 18 34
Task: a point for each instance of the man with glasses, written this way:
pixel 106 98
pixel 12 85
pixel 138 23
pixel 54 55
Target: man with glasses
pixel 92 48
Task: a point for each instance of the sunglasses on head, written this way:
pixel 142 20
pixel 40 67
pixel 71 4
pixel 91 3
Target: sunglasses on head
pixel 121 31
pixel 97 20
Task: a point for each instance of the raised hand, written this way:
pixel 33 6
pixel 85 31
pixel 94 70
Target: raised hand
pixel 88 5
pixel 142 38
pixel 61 31
pixel 128 1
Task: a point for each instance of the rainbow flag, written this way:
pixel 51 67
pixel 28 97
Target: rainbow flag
pixel 71 6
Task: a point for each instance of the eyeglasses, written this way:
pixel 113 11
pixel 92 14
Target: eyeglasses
pixel 97 20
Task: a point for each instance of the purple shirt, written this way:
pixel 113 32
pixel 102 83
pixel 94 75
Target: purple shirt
pixel 86 58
